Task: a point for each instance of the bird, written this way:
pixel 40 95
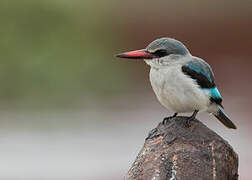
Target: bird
pixel 181 82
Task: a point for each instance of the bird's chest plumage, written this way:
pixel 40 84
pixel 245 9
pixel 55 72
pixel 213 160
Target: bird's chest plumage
pixel 176 91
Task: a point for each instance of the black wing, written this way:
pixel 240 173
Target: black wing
pixel 202 73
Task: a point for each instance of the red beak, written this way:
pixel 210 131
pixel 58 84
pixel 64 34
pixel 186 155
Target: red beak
pixel 138 54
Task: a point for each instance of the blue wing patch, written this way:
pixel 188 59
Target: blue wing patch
pixel 214 94
pixel 200 71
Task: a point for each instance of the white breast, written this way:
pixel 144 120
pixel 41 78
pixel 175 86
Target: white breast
pixel 176 91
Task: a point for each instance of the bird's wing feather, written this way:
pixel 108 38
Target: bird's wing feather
pixel 202 73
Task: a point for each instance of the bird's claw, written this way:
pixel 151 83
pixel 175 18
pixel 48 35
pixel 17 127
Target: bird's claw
pixel 188 122
pixel 191 118
pixel 166 119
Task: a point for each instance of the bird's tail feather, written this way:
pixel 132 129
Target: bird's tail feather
pixel 224 119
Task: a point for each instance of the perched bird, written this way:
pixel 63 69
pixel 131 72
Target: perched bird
pixel 182 82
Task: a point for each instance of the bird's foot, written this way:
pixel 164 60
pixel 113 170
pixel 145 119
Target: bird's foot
pixel 166 119
pixel 191 118
pixel 188 121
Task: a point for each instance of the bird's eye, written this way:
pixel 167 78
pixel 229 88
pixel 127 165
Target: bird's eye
pixel 160 53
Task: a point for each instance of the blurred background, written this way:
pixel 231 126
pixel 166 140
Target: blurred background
pixel 70 110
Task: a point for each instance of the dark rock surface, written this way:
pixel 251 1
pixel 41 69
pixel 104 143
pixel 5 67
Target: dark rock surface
pixel 174 151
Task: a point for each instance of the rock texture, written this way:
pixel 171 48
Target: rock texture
pixel 174 151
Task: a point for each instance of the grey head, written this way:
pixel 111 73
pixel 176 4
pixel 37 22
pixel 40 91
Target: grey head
pixel 167 46
pixel 160 53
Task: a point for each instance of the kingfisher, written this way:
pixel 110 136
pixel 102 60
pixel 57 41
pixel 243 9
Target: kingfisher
pixel 182 82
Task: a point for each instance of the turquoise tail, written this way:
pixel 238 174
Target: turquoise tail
pixel 224 119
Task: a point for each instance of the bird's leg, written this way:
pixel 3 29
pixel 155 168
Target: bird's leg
pixel 170 117
pixel 192 117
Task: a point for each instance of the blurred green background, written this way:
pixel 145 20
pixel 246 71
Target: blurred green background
pixel 61 53
pixel 57 53
pixel 67 104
